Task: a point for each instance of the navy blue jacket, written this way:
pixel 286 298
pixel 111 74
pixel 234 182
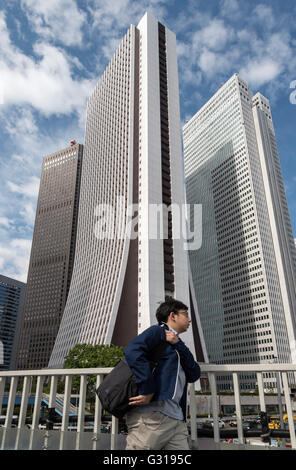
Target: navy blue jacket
pixel 162 381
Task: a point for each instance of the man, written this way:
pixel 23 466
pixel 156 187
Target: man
pixel 158 418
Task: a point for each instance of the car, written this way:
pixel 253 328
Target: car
pixel 249 424
pixel 258 419
pixel 246 425
pixel 220 423
pixel 199 426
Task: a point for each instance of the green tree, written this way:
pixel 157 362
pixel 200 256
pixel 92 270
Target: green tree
pixel 85 356
pixel 89 356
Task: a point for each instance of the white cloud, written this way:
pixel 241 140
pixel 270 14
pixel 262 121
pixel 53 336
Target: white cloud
pixel 24 200
pixel 5 222
pixel 279 48
pixel 30 142
pixel 270 59
pixel 215 35
pixel 261 50
pixel 19 176
pixel 46 83
pixel 28 212
pixel 57 20
pixel 21 121
pixel 207 51
pixel 258 72
pixel 265 15
pixel 14 258
pixel 111 19
pixel 211 63
pixel 29 189
pixel 229 7
pixel 122 13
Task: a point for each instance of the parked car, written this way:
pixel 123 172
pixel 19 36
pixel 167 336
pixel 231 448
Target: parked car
pixel 221 423
pixel 199 426
pixel 211 422
pixel 249 424
pixel 246 425
pixel 233 423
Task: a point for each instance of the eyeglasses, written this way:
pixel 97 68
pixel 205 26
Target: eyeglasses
pixel 184 313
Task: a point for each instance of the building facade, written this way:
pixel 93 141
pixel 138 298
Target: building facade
pixel 244 273
pixel 132 165
pixel 52 256
pixel 12 294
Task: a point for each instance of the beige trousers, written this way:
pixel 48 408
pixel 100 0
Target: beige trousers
pixel 155 431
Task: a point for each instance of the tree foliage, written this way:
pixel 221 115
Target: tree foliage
pixel 89 356
pixel 85 356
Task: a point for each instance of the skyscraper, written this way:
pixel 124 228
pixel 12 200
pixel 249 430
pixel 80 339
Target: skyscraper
pixel 244 273
pixel 52 256
pixel 12 294
pixel 132 164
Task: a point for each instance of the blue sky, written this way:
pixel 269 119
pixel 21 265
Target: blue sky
pixel 52 54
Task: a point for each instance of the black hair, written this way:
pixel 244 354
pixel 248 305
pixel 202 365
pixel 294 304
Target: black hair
pixel 165 308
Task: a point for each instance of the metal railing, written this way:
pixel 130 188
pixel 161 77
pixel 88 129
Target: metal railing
pixel 283 370
pixel 211 370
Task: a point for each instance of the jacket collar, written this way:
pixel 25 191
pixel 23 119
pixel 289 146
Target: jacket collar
pixel 167 327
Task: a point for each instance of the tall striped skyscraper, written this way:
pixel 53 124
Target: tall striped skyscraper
pixel 244 273
pixel 52 256
pixel 132 163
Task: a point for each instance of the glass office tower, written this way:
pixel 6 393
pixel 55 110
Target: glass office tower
pixel 244 273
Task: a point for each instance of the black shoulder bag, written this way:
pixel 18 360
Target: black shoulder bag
pixel 120 384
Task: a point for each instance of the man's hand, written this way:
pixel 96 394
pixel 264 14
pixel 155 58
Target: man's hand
pixel 140 400
pixel 171 337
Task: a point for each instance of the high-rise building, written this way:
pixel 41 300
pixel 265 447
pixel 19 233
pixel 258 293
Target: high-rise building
pixel 132 164
pixel 244 273
pixel 12 294
pixel 52 255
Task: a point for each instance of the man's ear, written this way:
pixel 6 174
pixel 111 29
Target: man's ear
pixel 172 315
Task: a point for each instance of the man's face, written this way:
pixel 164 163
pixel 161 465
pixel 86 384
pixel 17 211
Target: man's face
pixel 182 321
